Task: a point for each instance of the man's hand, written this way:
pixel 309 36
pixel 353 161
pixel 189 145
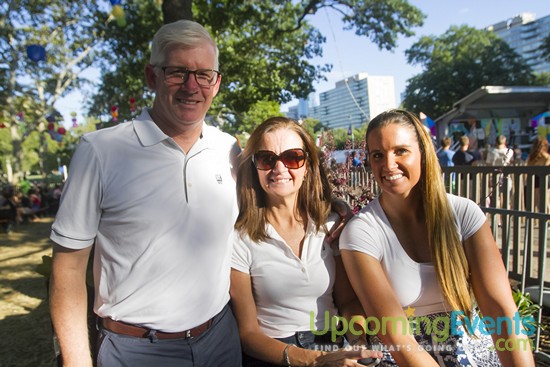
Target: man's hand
pixel 345 213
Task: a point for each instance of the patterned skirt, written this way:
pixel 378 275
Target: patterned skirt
pixel 456 349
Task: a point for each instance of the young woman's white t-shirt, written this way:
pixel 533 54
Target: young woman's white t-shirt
pixel 415 284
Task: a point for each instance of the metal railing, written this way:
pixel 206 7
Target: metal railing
pixel 517 212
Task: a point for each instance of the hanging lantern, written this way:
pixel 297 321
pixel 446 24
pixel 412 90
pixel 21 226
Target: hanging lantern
pixel 36 53
pixel 121 22
pixel 114 113
pixel 117 11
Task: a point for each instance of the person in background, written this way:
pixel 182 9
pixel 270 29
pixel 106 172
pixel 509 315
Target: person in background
pixel 418 253
pixel 445 155
pixel 356 160
pixel 538 156
pixel 8 201
pixel 500 155
pixel 463 156
pixel 518 155
pixel 36 200
pixel 514 131
pixel 286 277
pixel 355 168
pixel 156 198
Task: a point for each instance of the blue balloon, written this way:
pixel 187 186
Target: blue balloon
pixel 115 2
pixel 36 53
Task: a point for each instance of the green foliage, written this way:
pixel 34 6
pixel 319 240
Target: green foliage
pixel 526 308
pixel 67 31
pixel 266 48
pixel 5 149
pixel 122 60
pixel 342 140
pixel 259 112
pixel 313 126
pixel 457 63
pixel 542 79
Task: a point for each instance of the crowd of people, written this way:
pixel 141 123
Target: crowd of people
pixel 204 255
pixel 26 202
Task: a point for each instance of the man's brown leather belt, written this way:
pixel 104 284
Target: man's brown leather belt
pixel 120 327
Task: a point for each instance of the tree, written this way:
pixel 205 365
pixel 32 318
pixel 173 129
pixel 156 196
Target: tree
pixel 542 79
pixel 313 126
pixel 122 61
pixel 45 45
pixel 258 113
pixel 457 63
pixel 265 46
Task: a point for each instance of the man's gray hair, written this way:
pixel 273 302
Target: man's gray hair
pixel 184 34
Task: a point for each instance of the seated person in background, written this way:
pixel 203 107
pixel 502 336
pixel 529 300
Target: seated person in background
pixel 445 155
pixel 286 277
pixel 8 201
pixel 35 200
pixel 420 258
pixel 24 207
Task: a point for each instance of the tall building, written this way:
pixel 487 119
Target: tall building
pixel 525 35
pixel 353 101
pixel 301 110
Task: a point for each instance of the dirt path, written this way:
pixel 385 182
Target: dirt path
pixel 24 315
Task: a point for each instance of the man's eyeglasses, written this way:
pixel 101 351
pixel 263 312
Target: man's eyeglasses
pixel 174 75
pixel 265 160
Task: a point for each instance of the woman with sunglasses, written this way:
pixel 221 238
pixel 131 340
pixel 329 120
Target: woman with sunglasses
pixel 286 282
pixel 423 261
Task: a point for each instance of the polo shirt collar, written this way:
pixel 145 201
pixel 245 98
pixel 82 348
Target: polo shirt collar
pixel 146 130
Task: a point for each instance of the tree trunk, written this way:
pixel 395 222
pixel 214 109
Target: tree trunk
pixel 174 10
pixel 16 151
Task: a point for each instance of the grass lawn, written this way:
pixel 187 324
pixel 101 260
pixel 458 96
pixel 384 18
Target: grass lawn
pixel 24 313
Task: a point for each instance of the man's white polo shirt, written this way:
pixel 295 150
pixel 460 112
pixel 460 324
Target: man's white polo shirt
pixel 162 222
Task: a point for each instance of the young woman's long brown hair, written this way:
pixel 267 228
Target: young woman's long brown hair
pixel 313 197
pixel 446 249
pixel 539 150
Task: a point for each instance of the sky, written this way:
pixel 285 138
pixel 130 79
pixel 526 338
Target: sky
pixel 350 54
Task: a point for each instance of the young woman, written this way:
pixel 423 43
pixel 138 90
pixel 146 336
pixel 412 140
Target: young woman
pixel 287 282
pixel 421 260
pixel 538 156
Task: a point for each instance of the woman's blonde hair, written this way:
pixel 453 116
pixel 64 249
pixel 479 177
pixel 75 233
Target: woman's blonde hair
pixel 446 249
pixel 314 197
